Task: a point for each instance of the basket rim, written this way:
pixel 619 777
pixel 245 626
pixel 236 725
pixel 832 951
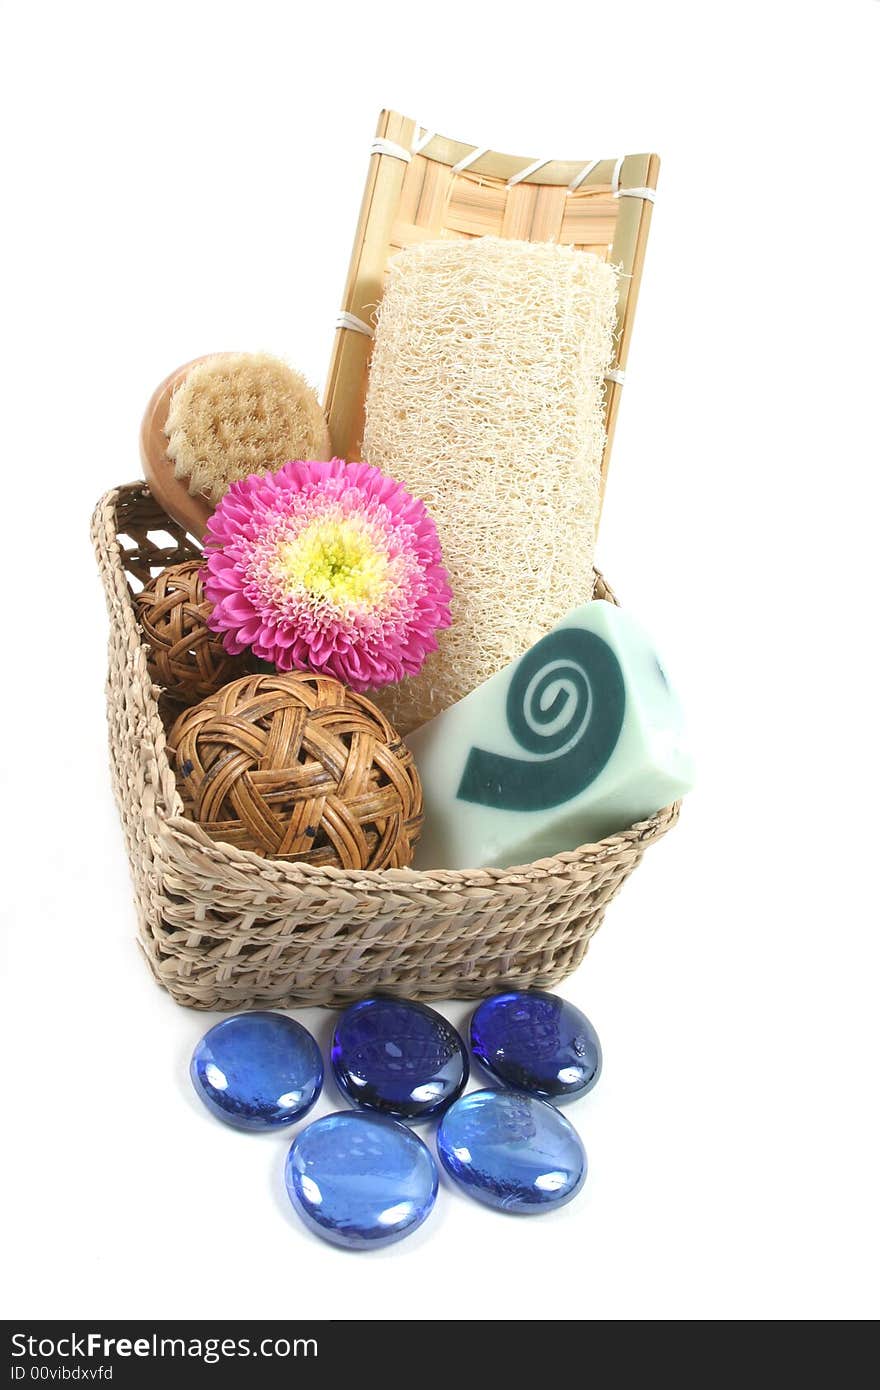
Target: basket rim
pixel 192 834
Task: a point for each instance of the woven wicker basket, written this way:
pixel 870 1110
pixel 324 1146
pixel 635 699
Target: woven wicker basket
pixel 224 929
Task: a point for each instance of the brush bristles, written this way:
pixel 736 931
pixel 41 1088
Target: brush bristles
pixel 240 413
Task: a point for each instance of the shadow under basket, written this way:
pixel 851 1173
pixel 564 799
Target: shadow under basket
pixel 224 929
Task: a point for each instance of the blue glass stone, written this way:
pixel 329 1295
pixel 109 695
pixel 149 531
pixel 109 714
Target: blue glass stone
pixel 398 1057
pixel 360 1180
pixel 511 1151
pixel 258 1070
pixel 537 1043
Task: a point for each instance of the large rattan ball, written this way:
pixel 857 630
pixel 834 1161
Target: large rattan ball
pixel 183 656
pixel 299 767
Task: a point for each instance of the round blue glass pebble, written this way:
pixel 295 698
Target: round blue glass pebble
pixel 537 1043
pixel 360 1180
pixel 511 1151
pixel 399 1058
pixel 258 1070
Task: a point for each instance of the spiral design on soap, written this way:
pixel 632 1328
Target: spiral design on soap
pixel 565 706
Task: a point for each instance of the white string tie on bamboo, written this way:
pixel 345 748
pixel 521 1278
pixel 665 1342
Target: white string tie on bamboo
pixel 527 172
pixel 346 320
pixel 583 175
pixel 470 159
pixel 420 141
pixel 616 374
pixel 390 147
pixel 649 194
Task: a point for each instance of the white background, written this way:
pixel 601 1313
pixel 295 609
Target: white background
pixel 182 178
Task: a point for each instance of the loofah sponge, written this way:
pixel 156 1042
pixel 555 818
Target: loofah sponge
pixel 240 413
pixel 486 400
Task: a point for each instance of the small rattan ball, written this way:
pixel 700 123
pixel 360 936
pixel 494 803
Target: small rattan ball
pixel 299 767
pixel 183 656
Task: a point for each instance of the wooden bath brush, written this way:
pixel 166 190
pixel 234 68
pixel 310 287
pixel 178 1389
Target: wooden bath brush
pixel 219 418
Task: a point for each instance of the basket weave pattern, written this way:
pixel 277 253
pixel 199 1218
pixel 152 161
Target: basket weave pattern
pixel 224 929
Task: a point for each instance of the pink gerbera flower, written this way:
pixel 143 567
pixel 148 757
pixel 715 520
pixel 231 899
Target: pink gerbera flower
pixel 328 567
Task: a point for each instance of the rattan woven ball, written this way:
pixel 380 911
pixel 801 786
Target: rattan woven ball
pixel 299 767
pixel 184 657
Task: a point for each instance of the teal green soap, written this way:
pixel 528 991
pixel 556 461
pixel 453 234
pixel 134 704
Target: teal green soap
pixel 579 738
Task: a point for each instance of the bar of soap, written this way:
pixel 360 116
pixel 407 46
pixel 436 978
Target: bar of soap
pixel 581 737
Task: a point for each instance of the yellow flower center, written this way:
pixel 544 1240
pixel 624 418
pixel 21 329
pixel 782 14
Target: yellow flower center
pixel 335 558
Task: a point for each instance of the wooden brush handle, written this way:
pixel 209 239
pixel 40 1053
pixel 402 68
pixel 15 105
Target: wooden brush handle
pixel 190 511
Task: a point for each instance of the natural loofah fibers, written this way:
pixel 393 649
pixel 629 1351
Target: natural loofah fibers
pixel 486 400
pixel 240 413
